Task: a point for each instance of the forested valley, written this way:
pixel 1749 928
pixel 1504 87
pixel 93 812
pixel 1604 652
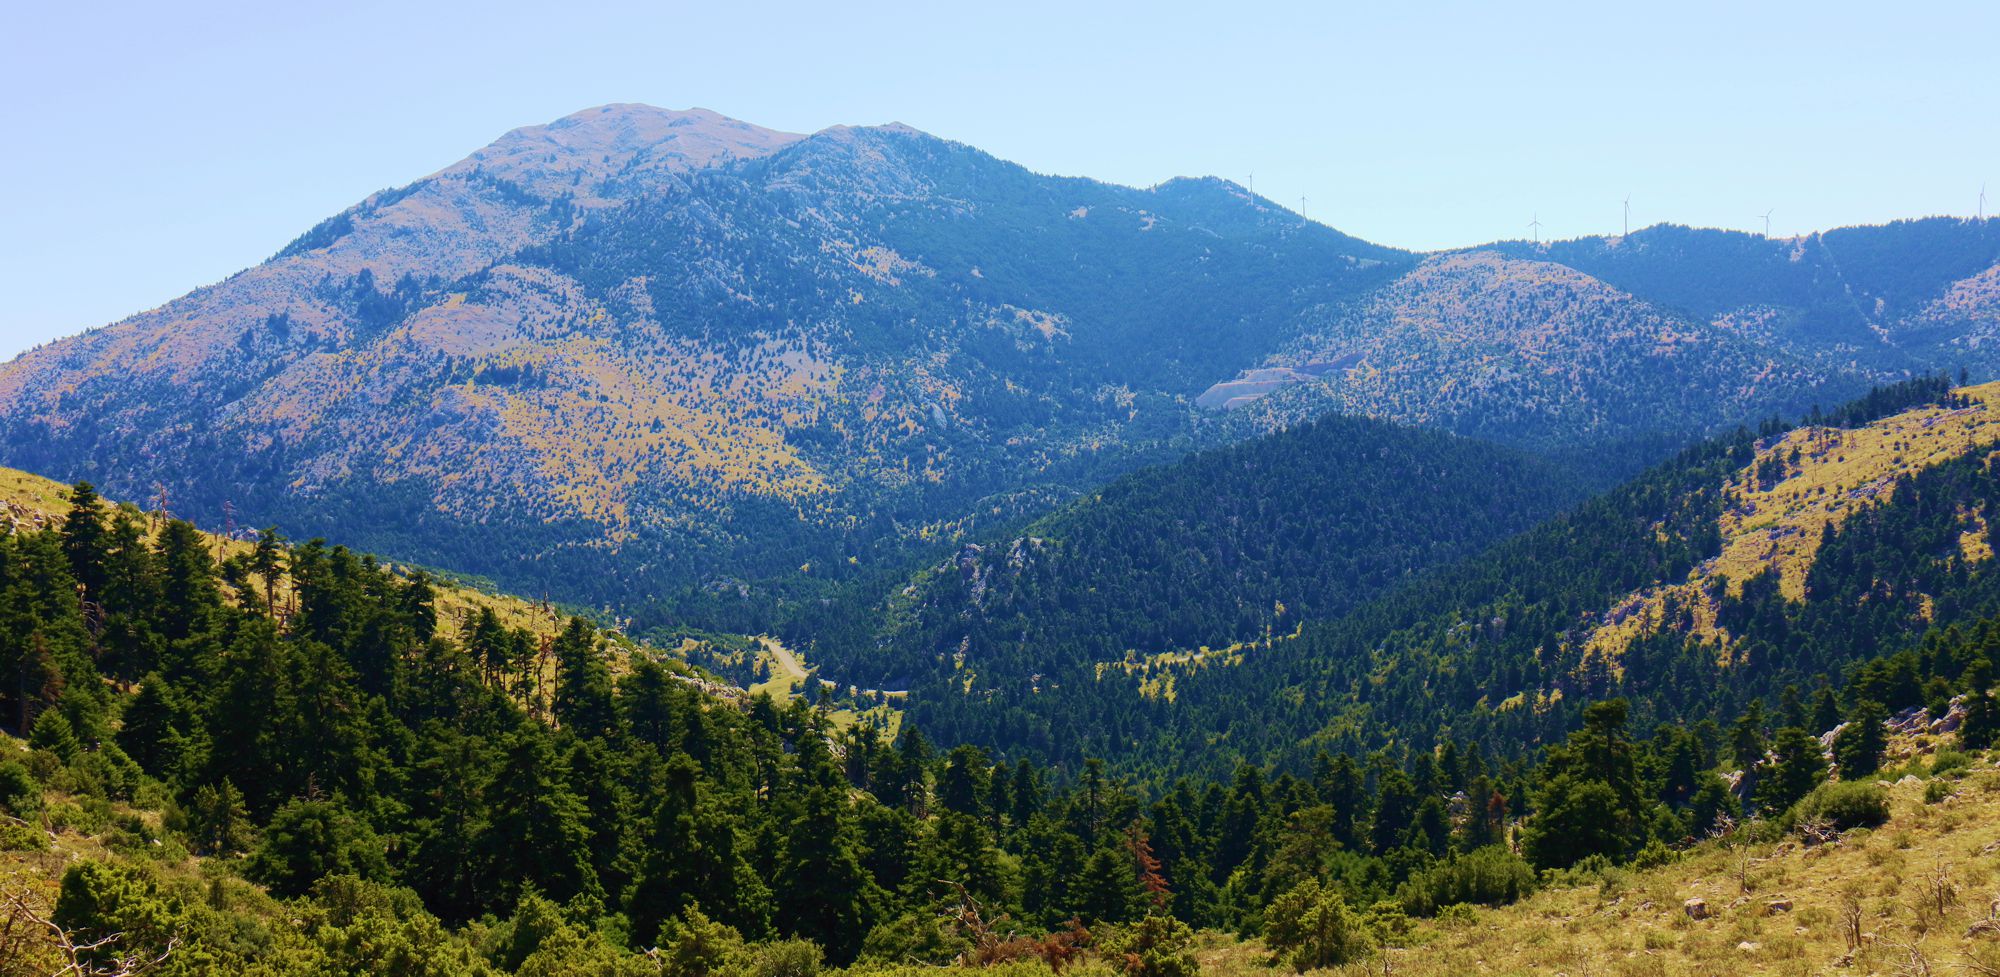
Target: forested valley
pixel 283 761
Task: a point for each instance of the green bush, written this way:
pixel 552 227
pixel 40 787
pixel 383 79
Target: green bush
pixel 308 840
pixel 1490 876
pixel 20 792
pixel 1459 915
pixel 1951 762
pixel 696 946
pixel 1157 946
pixel 1938 790
pixel 15 836
pixel 913 938
pixel 1594 870
pixel 787 958
pixel 1311 927
pixel 1843 804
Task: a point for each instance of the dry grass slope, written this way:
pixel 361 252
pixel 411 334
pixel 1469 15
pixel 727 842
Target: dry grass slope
pixel 1829 474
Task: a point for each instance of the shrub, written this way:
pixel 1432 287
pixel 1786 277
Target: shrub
pixel 1937 790
pixel 1844 805
pixel 787 958
pixel 20 792
pixel 1458 915
pixel 1311 927
pixel 15 836
pixel 1950 762
pixel 1157 946
pixel 696 946
pixel 1490 876
pixel 913 938
pixel 1594 870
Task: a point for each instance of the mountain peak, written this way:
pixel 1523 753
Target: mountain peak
pixel 586 147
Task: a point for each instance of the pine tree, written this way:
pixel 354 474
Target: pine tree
pixel 964 785
pixel 1980 726
pixel 1858 747
pixel 824 893
pixel 583 702
pixel 84 540
pixel 1746 738
pixel 1109 890
pixel 1826 709
pixel 538 833
pixel 693 856
pixel 1797 765
pixel 54 733
pixel 267 561
pixel 188 592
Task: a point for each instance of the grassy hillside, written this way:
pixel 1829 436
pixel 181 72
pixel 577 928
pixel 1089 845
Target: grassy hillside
pixel 1779 507
pixel 1918 891
pixel 31 501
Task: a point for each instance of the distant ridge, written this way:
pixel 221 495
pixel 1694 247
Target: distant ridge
pixel 700 352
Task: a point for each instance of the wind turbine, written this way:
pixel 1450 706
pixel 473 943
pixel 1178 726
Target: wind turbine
pixel 1302 208
pixel 1536 225
pixel 1628 215
pixel 1982 201
pixel 1767 221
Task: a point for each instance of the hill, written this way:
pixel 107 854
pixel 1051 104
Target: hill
pixel 1748 565
pixel 30 502
pixel 1228 547
pixel 1911 895
pixel 219 777
pixel 1668 330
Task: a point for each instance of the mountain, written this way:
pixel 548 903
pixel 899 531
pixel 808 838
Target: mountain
pixel 639 338
pixel 1666 330
pixel 1219 553
pixel 636 354
pixel 1747 565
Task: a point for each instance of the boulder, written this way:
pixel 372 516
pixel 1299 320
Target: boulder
pixel 1696 908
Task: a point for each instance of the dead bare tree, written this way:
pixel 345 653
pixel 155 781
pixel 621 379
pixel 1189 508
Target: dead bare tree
pixel 1850 921
pixel 1940 892
pixel 1914 964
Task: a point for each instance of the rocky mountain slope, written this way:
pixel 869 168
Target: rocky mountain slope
pixel 701 353
pixel 670 333
pixel 1617 339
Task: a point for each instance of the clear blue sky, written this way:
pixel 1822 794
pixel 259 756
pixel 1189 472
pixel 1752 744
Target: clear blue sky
pixel 152 147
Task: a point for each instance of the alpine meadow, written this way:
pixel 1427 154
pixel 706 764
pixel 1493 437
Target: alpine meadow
pixel 662 545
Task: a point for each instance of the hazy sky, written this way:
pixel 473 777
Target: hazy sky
pixel 156 147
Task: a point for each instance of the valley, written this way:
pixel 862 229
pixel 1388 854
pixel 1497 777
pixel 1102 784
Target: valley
pixel 703 550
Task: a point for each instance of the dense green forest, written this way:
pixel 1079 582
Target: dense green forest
pixel 1491 649
pixel 1228 545
pixel 295 717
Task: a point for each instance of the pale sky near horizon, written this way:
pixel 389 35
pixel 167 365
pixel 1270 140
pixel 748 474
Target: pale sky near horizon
pixel 154 148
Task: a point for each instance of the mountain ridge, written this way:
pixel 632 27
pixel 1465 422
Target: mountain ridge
pixel 719 353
